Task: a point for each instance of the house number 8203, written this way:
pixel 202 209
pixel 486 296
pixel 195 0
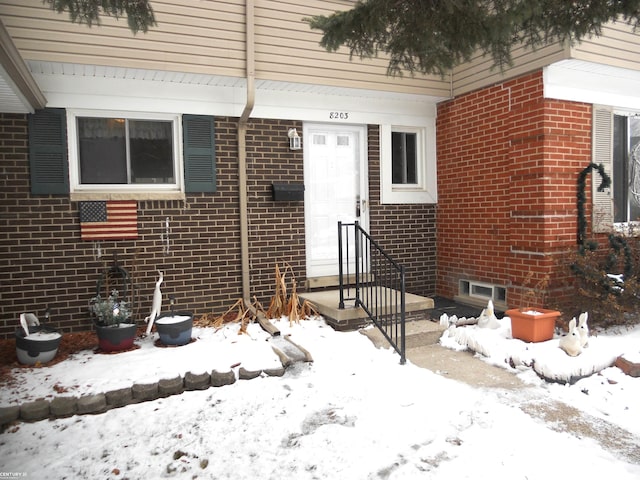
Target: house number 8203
pixel 338 115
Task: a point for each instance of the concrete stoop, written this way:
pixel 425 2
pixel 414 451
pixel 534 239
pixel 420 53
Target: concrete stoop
pixel 350 318
pixel 66 406
pixel 418 333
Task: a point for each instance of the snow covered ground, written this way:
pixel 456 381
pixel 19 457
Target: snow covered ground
pixel 586 381
pixel 354 413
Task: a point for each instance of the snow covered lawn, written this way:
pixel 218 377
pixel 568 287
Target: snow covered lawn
pixel 354 413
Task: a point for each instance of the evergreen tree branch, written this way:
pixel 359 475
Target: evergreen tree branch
pixel 139 13
pixel 433 36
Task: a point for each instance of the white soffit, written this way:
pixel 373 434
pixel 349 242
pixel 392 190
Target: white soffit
pixel 580 81
pixel 66 84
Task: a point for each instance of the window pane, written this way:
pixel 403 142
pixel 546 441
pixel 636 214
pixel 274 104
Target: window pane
pixel 412 175
pixel 634 168
pixel 342 141
pixel 319 140
pixel 102 149
pixel 620 182
pixel 397 157
pixel 403 158
pixel 151 151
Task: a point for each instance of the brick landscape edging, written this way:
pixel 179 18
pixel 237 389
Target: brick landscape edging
pixel 67 406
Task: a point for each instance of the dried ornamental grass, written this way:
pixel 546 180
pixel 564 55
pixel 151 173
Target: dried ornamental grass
pixel 281 305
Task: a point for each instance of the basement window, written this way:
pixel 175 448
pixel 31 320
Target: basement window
pixel 482 291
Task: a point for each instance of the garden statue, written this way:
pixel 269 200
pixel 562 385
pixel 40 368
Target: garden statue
pixel 487 318
pixel 27 319
pixel 156 305
pixel 583 329
pixel 571 343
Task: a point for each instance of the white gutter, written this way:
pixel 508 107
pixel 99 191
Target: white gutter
pixel 242 149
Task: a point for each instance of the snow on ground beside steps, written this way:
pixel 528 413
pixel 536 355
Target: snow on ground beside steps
pixel 588 382
pixel 545 358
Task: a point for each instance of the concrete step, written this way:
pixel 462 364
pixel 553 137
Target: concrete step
pixel 351 318
pixel 418 333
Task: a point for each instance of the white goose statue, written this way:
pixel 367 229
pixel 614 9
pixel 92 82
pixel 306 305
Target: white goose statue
pixel 156 305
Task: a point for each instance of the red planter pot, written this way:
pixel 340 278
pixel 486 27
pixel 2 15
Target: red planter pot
pixel 532 327
pixel 117 337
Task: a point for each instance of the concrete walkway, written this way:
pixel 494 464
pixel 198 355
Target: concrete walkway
pixel 424 351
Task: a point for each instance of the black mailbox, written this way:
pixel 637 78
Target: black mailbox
pixel 288 192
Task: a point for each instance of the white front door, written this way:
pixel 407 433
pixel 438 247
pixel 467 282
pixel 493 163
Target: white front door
pixel 335 190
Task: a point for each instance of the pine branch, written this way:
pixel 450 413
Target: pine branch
pixel 433 36
pixel 138 12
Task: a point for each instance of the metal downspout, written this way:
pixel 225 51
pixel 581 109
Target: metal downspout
pixel 242 149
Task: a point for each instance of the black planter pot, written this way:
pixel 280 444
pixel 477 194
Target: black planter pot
pixel 114 338
pixel 174 328
pixel 42 348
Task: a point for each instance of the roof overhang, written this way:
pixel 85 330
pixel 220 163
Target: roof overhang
pixel 80 86
pixel 19 92
pixel 590 82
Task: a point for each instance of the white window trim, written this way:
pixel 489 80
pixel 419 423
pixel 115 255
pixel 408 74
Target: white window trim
pixel 134 191
pixel 425 191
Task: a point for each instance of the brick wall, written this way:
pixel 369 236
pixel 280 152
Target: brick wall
pixel 508 162
pixel 406 232
pixel 276 229
pixel 44 263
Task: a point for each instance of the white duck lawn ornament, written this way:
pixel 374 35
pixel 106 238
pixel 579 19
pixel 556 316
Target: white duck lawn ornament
pixel 487 318
pixel 26 320
pixel 156 305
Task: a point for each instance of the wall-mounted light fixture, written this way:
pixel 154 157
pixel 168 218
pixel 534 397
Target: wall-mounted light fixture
pixel 295 142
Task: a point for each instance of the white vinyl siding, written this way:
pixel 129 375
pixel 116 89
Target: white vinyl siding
pixel 479 72
pixel 619 46
pixel 208 37
pixel 288 50
pixel 194 37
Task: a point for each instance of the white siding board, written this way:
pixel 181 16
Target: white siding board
pixel 191 39
pixel 480 72
pixel 619 46
pixel 285 44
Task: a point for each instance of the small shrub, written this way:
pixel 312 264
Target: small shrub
pixel 109 311
pixel 607 283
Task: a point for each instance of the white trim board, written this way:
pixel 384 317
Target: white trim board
pixel 81 86
pixel 580 81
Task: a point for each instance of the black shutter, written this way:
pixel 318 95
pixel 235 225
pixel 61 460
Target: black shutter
pixel 48 151
pixel 199 153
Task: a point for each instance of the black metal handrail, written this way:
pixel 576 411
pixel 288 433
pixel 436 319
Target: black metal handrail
pixel 378 283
